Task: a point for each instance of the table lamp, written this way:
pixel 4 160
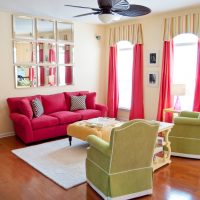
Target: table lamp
pixel 178 90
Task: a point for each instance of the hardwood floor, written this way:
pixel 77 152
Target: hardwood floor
pixel 18 181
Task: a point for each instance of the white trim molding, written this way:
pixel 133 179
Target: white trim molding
pixel 195 156
pixel 124 197
pixel 6 134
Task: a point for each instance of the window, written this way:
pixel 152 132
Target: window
pixel 185 62
pixel 124 69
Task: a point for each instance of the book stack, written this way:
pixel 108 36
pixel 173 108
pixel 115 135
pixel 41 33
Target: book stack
pixel 159 151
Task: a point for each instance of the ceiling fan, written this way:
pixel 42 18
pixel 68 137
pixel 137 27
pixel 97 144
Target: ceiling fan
pixel 110 10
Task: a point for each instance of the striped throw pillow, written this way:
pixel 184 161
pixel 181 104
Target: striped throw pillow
pixel 78 103
pixel 37 107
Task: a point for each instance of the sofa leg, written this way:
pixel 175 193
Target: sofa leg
pixel 70 140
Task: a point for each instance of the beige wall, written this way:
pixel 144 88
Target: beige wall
pixel 91 61
pixel 89 66
pixel 153 40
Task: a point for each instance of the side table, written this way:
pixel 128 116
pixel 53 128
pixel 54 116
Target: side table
pixel 170 110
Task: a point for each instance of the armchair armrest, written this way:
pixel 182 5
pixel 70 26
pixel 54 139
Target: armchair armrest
pixel 101 108
pixel 22 126
pixel 187 121
pixel 99 144
pixel 189 114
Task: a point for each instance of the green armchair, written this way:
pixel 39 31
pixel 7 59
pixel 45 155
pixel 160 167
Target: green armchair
pixel 122 169
pixel 185 135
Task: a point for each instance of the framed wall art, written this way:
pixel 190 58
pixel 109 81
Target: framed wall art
pixel 152 79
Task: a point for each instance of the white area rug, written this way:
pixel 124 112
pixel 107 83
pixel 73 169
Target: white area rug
pixel 58 161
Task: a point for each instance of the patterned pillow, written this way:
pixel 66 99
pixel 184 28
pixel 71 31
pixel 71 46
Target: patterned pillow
pixel 37 107
pixel 78 103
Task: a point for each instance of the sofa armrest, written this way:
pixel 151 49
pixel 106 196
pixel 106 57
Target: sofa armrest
pixel 22 126
pixel 101 108
pixel 189 114
pixel 187 121
pixel 99 144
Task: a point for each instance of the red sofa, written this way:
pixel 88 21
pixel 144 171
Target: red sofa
pixel 57 115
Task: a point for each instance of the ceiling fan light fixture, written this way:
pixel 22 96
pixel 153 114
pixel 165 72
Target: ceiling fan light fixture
pixel 106 18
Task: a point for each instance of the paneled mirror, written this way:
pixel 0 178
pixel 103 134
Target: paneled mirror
pixel 45 29
pixel 47 76
pixel 26 76
pixel 43 56
pixel 23 27
pixel 65 75
pixel 24 52
pixel 65 54
pixel 46 52
pixel 65 31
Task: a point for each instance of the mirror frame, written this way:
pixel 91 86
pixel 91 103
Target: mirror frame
pixel 72 31
pixel 54 29
pixel 14 27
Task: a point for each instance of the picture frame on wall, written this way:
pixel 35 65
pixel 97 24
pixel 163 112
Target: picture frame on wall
pixel 153 58
pixel 152 79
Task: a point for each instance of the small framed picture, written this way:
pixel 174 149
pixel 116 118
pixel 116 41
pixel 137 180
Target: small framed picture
pixel 152 79
pixel 153 58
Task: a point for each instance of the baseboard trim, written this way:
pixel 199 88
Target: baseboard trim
pixel 6 134
pixel 124 197
pixel 185 155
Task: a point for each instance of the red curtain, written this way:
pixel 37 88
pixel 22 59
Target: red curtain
pixel 52 55
pixel 31 75
pixel 41 68
pixel 68 75
pixel 41 52
pixel 113 93
pixel 52 70
pixel 137 105
pixel 196 105
pixel 42 76
pixel 165 99
pixel 67 54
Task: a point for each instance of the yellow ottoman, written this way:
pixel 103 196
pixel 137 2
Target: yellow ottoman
pixel 82 129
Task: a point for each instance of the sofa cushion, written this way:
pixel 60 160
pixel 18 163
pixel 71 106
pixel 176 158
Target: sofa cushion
pixel 44 121
pixel 37 107
pixel 54 103
pixel 78 103
pixel 90 100
pixel 68 98
pixel 89 113
pixel 66 117
pixel 25 108
pixel 14 104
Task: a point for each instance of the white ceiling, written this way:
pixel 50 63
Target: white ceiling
pixel 56 8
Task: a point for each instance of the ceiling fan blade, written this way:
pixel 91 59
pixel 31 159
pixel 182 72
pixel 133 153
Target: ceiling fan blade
pixel 95 9
pixel 134 11
pixel 92 13
pixel 120 5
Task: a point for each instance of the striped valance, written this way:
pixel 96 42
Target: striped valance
pixel 181 24
pixel 129 32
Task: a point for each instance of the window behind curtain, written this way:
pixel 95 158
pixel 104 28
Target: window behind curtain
pixel 185 62
pixel 124 70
